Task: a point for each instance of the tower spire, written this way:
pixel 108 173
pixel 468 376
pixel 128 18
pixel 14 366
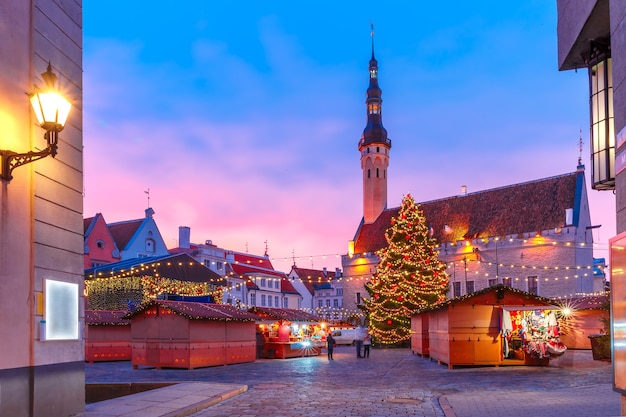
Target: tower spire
pixel 374 147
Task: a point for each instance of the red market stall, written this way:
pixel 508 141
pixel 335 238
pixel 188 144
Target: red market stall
pixel 288 333
pixel 107 336
pixel 496 326
pixel 583 317
pixel 188 335
pixel 419 335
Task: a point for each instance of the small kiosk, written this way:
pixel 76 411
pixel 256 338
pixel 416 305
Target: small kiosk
pixel 288 333
pixel 188 335
pixel 107 336
pixel 496 326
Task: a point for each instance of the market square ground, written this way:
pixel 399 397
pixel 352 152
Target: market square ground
pixel 392 382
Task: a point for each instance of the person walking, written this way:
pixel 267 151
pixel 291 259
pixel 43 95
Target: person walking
pixel 358 341
pixel 367 343
pixel 330 345
pixel 260 344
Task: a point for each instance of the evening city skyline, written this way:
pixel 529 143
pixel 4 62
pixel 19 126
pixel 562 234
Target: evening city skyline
pixel 243 119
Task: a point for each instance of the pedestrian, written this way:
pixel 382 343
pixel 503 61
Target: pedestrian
pixel 367 343
pixel 330 345
pixel 358 341
pixel 260 344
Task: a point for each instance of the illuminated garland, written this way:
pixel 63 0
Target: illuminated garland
pixel 123 293
pixel 409 276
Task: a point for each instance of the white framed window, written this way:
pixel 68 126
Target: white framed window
pixel 263 298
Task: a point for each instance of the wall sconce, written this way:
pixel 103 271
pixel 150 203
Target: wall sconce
pixel 602 124
pixel 51 109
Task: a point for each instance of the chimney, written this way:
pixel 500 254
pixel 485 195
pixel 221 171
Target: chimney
pixel 184 234
pixel 325 272
pixel 463 189
pixel 149 213
pixel 337 273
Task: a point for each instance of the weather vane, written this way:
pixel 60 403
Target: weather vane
pixel 148 193
pixel 580 147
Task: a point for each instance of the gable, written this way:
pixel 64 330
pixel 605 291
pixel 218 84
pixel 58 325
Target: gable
pixel 521 208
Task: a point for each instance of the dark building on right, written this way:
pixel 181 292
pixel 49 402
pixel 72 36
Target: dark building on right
pixel 592 37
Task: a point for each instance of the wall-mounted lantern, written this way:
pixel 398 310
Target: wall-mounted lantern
pixel 601 111
pixel 51 109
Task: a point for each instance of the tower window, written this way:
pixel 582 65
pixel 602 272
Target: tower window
pixel 377 173
pixel 378 149
pixel 369 174
pixel 385 173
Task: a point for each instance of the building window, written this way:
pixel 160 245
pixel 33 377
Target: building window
pixel 377 173
pixel 493 282
pixel 369 174
pixel 263 282
pixel 263 302
pixel 150 245
pixel 276 301
pixel 269 301
pixel 327 303
pixel 339 291
pixel 100 244
pixel 320 303
pixel 532 285
pixel 277 284
pixel 335 303
pixel 253 299
pixel 286 303
pixel 469 287
pixel 220 266
pixel 358 298
pixel 507 282
pixel 456 289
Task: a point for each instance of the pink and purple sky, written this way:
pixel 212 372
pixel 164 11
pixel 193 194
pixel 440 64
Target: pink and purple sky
pixel 242 119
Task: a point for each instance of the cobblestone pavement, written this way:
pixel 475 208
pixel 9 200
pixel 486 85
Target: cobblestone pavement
pixel 393 382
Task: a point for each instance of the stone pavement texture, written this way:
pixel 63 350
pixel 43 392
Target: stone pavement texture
pixel 391 383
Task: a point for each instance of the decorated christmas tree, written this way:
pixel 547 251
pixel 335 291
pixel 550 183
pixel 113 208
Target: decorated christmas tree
pixel 409 276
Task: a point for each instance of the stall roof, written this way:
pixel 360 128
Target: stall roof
pixel 590 302
pixel 106 318
pixel 500 292
pixel 179 266
pixel 286 314
pixel 199 311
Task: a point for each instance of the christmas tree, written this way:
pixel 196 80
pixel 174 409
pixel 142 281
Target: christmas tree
pixel 409 276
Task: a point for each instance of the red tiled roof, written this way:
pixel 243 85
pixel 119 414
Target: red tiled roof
pixel 199 311
pixel 106 317
pixel 86 224
pixel 528 207
pixel 123 232
pixel 287 314
pixel 246 264
pixel 286 287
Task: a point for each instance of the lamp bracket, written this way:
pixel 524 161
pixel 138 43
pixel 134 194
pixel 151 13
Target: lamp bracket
pixel 11 160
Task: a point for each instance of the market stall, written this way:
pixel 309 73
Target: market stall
pixel 495 326
pixel 289 333
pixel 188 335
pixel 583 317
pixel 107 336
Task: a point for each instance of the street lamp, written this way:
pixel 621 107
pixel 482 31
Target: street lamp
pixel 51 109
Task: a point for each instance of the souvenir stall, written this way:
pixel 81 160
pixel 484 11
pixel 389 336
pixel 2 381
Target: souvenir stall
pixel 474 329
pixel 107 336
pixel 188 335
pixel 288 333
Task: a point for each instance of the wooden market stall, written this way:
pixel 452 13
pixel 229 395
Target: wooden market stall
pixel 496 326
pixel 419 335
pixel 582 317
pixel 188 335
pixel 288 332
pixel 107 336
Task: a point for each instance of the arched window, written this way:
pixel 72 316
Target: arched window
pixel 369 173
pixel 150 246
